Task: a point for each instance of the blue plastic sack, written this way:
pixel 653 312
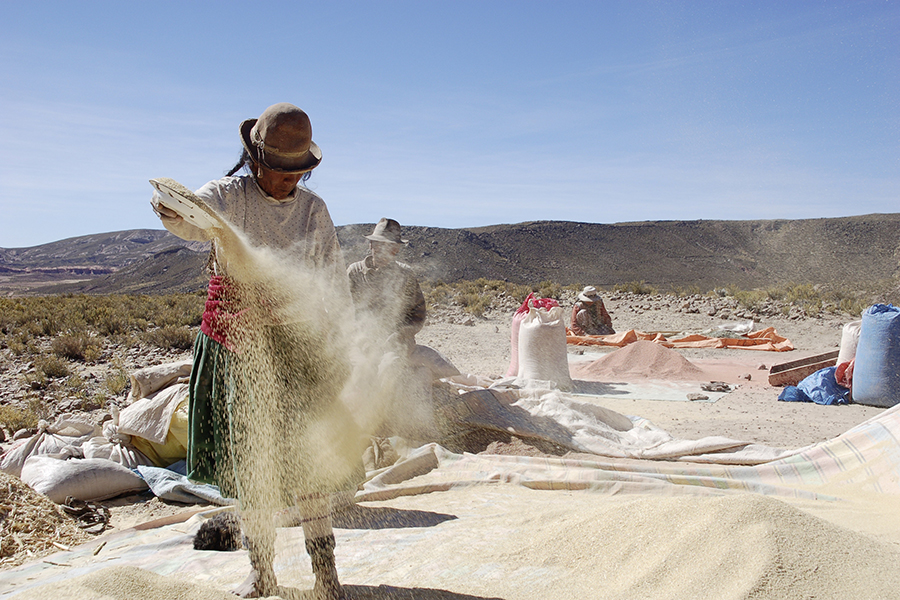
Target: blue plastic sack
pixel 876 372
pixel 820 387
pixel 791 393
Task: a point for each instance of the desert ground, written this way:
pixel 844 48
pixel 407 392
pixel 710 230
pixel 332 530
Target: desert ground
pixel 751 412
pixel 480 345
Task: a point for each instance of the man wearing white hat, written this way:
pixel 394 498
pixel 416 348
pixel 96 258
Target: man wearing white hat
pixel 387 291
pixel 391 307
pixel 589 316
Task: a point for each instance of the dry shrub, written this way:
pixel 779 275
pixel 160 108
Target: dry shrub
pixel 636 287
pixel 117 379
pixel 74 381
pixel 77 347
pixel 474 303
pixel 808 299
pixel 548 289
pixel 52 367
pixel 177 338
pixel 478 295
pixel 437 293
pixel 36 380
pixel 110 323
pixel 84 315
pixel 18 345
pixel 14 419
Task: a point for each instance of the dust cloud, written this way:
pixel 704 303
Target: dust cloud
pixel 316 380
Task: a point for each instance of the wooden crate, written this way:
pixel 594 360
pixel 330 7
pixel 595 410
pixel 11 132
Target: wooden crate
pixel 791 373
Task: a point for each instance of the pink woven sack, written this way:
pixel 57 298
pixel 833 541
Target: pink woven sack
pixel 530 302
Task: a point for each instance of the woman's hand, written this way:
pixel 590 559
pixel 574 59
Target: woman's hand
pixel 164 213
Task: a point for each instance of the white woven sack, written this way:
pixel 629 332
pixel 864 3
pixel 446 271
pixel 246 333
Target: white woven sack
pixel 542 348
pixel 49 439
pixel 118 450
pixel 152 379
pixel 849 341
pixel 151 417
pixel 82 478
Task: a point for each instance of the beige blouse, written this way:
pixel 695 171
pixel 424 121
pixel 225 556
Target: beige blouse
pixel 299 224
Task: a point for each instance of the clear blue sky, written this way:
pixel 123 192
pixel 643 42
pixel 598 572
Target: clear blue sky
pixel 456 114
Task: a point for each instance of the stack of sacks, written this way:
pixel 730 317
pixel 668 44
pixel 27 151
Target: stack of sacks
pixel 71 458
pixel 50 462
pixel 62 439
pixel 157 419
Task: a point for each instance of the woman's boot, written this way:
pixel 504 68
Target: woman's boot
pixel 261 582
pixel 321 553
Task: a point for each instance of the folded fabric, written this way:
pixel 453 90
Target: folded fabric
pixel 576 423
pixel 169 485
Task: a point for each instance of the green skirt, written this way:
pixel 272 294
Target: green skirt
pixel 266 424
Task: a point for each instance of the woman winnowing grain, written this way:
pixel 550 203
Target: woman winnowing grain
pixel 264 389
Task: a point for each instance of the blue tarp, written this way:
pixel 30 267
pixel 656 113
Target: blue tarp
pixel 820 387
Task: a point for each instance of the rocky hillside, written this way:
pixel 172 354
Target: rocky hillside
pixel 664 254
pixel 110 262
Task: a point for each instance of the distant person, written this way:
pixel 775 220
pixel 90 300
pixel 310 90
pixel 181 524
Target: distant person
pixel 273 210
pixel 386 291
pixel 391 309
pixel 589 316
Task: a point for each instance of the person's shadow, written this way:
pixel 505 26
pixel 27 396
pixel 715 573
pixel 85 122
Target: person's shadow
pixel 367 517
pixel 383 592
pixel 389 592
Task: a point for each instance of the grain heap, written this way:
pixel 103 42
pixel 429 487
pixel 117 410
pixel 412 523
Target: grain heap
pixel 641 360
pixel 734 546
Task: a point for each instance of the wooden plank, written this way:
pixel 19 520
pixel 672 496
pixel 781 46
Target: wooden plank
pixel 792 372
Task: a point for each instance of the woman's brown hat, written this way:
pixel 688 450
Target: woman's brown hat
pixel 281 140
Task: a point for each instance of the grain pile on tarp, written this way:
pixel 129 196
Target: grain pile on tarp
pixel 822 524
pixel 642 359
pixel 31 524
pixel 128 582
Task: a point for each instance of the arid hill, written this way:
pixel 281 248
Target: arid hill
pixel 665 254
